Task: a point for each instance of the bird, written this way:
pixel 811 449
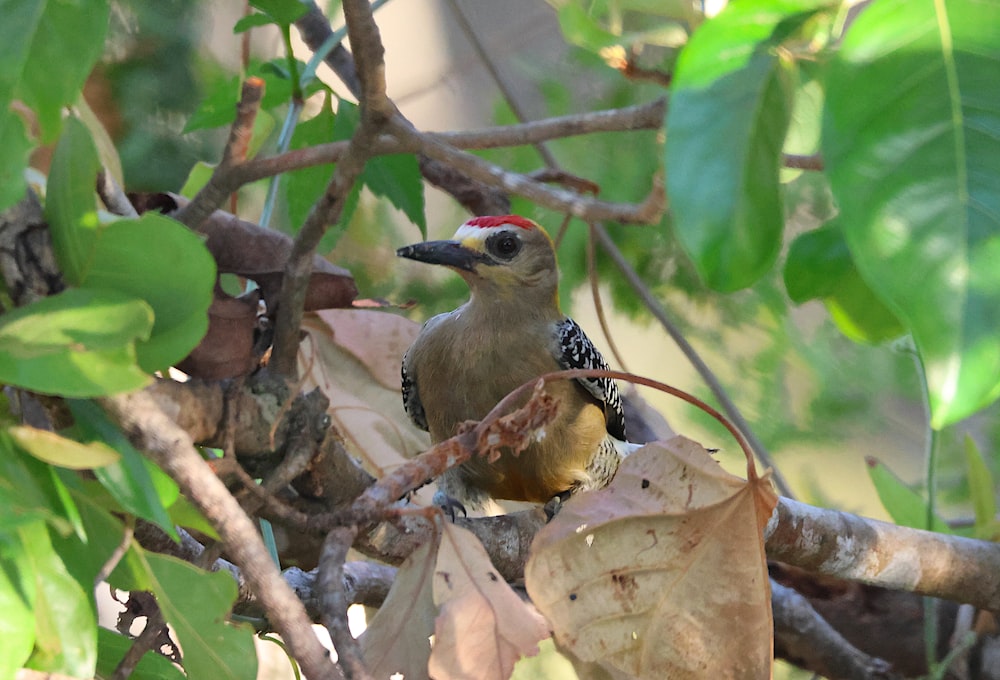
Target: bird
pixel 510 331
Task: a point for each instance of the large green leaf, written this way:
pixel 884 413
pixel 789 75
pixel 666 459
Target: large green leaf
pixel 195 603
pixel 65 620
pixel 397 178
pixel 79 343
pixel 911 140
pixel 152 258
pixel 730 107
pixel 167 265
pixel 819 266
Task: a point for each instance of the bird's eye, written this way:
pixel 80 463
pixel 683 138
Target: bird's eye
pixel 504 246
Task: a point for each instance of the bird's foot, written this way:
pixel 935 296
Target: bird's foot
pixel 449 505
pixel 554 505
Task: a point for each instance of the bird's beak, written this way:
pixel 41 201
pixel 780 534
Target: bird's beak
pixel 448 253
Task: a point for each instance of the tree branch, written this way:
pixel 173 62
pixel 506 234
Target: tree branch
pixel 869 551
pixel 153 432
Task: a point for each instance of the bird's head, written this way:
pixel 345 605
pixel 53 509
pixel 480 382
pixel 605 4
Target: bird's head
pixel 498 256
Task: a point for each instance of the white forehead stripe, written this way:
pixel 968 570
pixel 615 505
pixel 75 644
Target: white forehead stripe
pixel 467 231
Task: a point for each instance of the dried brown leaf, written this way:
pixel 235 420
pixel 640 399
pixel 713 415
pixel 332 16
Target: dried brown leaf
pixel 398 638
pixel 483 627
pixel 661 574
pixel 227 349
pixel 354 356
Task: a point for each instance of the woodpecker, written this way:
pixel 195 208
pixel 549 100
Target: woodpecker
pixel 510 331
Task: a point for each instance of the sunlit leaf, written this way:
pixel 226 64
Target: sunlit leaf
pixel 167 265
pixel 79 343
pixel 55 449
pixel 730 107
pixel 911 137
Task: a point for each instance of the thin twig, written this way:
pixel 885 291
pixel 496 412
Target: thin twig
pixel 718 391
pixel 113 196
pixel 334 601
pixel 119 552
pixel 375 108
pixel 224 180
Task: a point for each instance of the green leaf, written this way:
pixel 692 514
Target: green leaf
pixel 111 648
pixel 65 620
pixel 819 266
pixel 139 486
pixel 17 602
pixel 197 178
pixel 184 514
pixel 27 492
pixel 252 21
pixel 283 11
pixel 910 139
pixel 982 490
pixel 70 207
pixel 581 28
pixel 55 449
pixel 397 178
pixel 195 603
pixel 302 188
pixel 730 107
pixel 38 35
pixel 167 265
pixel 906 507
pixel 14 147
pixel 79 343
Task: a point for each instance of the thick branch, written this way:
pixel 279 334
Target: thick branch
pixel 866 550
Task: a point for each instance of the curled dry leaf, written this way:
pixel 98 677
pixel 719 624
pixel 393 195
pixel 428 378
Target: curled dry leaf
pixel 483 627
pixel 397 641
pixel 227 350
pixel 661 574
pixel 354 356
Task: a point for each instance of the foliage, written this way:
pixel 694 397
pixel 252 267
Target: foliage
pixel 894 106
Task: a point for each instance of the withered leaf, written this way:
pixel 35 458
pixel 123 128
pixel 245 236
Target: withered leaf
pixel 354 356
pixel 661 574
pixel 398 638
pixel 227 349
pixel 483 627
